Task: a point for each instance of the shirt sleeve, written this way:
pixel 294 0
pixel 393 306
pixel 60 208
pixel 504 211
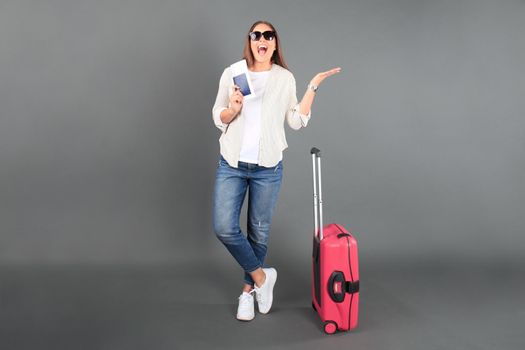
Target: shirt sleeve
pixel 295 119
pixel 221 101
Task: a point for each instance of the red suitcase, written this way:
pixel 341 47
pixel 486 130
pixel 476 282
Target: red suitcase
pixel 335 268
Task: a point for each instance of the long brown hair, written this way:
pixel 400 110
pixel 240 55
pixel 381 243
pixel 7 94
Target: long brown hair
pixel 277 56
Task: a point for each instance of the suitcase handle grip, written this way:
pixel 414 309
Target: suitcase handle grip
pixel 338 287
pixel 315 151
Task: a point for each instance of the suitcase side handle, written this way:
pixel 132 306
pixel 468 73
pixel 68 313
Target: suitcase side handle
pixel 338 287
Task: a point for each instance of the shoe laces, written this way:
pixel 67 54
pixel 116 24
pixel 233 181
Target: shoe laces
pixel 245 297
pixel 258 294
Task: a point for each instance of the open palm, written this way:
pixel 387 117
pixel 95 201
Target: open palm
pixel 318 79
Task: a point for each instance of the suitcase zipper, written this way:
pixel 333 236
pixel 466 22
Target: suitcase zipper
pixel 347 235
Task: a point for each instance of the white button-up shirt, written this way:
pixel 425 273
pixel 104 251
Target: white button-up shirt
pixel 279 103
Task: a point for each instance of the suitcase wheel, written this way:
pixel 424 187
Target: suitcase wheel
pixel 330 327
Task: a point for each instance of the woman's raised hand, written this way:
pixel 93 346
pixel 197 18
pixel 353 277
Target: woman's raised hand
pixel 318 79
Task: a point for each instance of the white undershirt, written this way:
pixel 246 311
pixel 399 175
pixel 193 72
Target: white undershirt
pixel 251 111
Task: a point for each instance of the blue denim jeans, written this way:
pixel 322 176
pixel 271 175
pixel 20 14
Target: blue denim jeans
pixel 263 185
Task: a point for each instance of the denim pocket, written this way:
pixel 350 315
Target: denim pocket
pixel 278 167
pixel 222 162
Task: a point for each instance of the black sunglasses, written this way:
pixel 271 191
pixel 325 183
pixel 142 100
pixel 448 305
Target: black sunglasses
pixel 268 35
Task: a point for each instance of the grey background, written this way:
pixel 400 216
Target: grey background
pixel 108 153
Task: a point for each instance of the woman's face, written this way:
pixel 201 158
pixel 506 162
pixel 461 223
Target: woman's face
pixel 262 49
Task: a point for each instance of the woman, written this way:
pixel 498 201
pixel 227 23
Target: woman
pixel 251 147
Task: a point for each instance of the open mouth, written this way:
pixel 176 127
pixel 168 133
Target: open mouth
pixel 261 49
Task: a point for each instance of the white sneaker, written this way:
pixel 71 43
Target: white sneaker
pixel 245 311
pixel 264 293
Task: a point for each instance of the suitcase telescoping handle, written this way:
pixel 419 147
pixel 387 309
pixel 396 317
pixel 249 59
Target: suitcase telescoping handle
pixel 318 199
